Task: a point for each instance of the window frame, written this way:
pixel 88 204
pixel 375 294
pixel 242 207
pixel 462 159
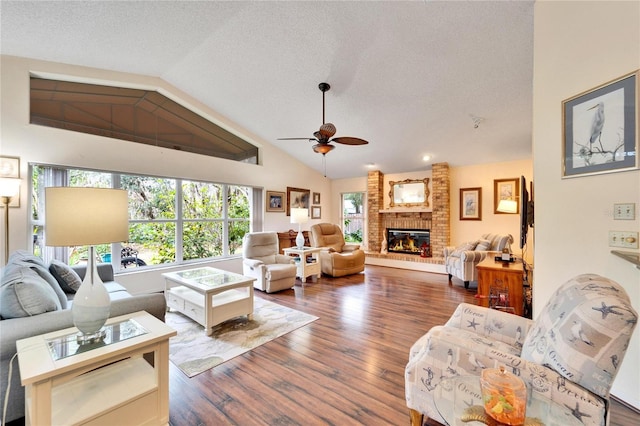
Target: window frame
pixel 255 216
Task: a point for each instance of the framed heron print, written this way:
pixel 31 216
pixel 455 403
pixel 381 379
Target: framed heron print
pixel 600 128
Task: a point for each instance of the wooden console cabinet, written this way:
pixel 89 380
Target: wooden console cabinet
pixel 496 275
pixel 288 239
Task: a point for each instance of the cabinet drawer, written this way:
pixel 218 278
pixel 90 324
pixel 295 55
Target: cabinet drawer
pixel 174 301
pixel 194 311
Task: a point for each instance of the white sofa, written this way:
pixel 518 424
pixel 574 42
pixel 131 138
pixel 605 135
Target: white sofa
pixel 460 262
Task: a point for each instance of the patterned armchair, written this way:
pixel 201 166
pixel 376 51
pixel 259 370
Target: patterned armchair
pixel 570 354
pixel 461 261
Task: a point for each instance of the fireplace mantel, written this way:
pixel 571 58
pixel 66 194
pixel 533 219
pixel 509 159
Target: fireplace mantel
pixel 406 210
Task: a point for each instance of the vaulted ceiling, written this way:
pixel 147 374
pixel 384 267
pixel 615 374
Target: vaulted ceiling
pixel 451 79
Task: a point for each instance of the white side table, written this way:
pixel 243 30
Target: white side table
pixel 306 268
pixel 109 382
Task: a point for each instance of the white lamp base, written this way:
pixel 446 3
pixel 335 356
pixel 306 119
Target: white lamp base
pixel 91 304
pixel 300 239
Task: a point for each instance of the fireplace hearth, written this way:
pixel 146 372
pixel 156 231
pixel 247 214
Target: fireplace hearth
pixel 409 241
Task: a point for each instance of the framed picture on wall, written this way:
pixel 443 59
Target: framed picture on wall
pixel 275 201
pixel 316 198
pixel 470 203
pixel 600 129
pixel 505 189
pixel 297 198
pixel 316 212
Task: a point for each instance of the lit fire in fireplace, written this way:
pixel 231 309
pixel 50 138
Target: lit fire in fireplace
pixel 411 241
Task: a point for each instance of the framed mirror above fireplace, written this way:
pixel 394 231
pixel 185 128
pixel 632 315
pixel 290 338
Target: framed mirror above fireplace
pixel 409 193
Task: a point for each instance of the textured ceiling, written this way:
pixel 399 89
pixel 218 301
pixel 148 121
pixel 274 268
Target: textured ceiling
pixel 407 76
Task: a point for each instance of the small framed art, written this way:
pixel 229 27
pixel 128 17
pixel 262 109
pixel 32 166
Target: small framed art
pixel 470 203
pixel 600 129
pixel 505 189
pixel 275 201
pixel 316 198
pixel 316 212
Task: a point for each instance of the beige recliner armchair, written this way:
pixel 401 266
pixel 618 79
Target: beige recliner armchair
pixel 339 258
pixel 273 271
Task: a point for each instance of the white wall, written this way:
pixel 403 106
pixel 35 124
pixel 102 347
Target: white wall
pixel 39 144
pixel 483 176
pixel 577 46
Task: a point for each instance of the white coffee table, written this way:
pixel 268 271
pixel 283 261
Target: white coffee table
pixel 208 295
pixel 306 269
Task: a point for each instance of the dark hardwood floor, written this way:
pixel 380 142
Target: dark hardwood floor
pixel 347 368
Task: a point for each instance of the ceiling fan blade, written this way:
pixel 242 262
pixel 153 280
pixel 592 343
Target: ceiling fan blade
pixel 327 130
pixel 296 139
pixel 346 140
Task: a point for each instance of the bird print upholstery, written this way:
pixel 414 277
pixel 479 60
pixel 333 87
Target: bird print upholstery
pixel 589 321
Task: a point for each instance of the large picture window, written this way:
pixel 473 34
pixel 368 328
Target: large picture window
pixel 170 220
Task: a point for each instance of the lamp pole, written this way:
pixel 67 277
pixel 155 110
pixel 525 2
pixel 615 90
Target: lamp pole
pixel 5 203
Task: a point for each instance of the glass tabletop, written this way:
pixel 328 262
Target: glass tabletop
pixel 68 345
pixel 459 401
pixel 208 277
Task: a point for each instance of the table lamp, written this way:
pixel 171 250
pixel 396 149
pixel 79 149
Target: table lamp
pixel 87 216
pixel 9 188
pixel 507 206
pixel 299 216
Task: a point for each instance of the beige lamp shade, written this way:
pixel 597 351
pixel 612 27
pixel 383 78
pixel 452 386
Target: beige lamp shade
pixel 85 216
pixel 299 215
pixel 508 206
pixel 9 187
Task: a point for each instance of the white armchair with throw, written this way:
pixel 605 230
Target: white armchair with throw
pixel 570 354
pixel 261 259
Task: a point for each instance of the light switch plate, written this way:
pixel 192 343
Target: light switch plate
pixel 624 211
pixel 623 239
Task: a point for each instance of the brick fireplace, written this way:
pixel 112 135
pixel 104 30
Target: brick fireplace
pixel 437 220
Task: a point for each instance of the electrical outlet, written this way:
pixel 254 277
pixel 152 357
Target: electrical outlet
pixel 623 239
pixel 626 211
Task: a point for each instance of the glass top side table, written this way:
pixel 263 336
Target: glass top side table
pixel 459 402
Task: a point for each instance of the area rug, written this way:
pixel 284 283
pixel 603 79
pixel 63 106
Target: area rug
pixel 194 352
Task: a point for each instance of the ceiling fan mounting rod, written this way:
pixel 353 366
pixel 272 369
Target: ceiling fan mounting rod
pixel 324 87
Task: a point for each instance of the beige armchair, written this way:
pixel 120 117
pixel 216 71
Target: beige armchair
pixel 273 271
pixel 461 261
pixel 339 258
pixel 570 354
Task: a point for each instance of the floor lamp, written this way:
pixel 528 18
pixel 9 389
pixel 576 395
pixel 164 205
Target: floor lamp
pixel 299 216
pixel 9 188
pixel 86 217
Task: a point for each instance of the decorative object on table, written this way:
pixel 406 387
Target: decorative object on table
pixel 600 128
pixel 299 216
pixel 470 203
pixel 297 198
pixel 9 190
pixel 504 395
pixel 87 216
pixel 505 194
pixel 316 198
pixel 476 413
pixel 275 201
pixel 194 352
pixel 316 212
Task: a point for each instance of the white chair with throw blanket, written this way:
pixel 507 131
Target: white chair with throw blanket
pixel 261 259
pixel 570 354
pixel 461 261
